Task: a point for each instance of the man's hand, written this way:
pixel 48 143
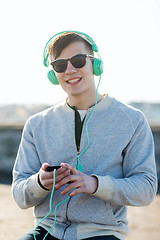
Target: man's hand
pixel 77 181
pixel 46 178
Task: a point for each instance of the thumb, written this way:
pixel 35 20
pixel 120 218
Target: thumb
pixel 70 167
pixel 44 166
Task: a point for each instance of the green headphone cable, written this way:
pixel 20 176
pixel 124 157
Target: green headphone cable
pixel 79 164
pixel 79 167
pixel 50 204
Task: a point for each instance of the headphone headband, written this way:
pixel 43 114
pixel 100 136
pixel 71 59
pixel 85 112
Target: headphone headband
pixel 97 63
pixel 83 35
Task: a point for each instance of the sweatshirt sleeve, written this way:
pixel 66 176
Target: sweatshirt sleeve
pixel 139 183
pixel 26 189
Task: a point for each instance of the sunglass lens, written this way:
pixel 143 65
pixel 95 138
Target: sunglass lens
pixel 60 65
pixel 78 61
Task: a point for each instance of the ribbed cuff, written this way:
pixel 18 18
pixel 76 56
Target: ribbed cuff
pixel 35 188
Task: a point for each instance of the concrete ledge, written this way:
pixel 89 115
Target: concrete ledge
pixel 10 125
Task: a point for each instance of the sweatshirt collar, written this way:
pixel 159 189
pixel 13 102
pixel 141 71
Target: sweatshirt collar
pixel 106 101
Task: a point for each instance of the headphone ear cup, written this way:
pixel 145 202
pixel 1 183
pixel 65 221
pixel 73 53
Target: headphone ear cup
pixel 97 66
pixel 52 77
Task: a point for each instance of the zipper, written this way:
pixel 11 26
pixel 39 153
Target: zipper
pixel 79 167
pixel 77 157
pixel 67 219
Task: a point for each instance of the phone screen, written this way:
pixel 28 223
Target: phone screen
pixel 52 168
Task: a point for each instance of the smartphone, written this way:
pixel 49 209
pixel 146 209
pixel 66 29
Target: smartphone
pixel 52 168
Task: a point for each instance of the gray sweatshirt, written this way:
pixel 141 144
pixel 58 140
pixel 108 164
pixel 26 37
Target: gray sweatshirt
pixel 120 155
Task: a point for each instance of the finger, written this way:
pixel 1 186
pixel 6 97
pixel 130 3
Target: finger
pixel 70 187
pixel 62 176
pixel 76 191
pixel 67 180
pixel 48 178
pixel 60 171
pixel 70 167
pixel 49 175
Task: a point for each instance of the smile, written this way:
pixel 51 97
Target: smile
pixel 73 81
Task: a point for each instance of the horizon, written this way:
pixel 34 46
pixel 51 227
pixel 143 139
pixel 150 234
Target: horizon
pixel 54 103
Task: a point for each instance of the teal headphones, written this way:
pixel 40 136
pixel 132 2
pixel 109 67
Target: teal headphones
pixel 97 62
pixel 97 70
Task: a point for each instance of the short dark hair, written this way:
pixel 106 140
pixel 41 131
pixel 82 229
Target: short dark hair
pixel 63 41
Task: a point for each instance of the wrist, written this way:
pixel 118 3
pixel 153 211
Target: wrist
pixel 40 184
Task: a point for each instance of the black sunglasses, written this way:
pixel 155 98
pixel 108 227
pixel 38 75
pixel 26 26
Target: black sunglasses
pixel 77 61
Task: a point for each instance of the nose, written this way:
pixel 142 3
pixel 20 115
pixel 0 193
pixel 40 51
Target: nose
pixel 70 69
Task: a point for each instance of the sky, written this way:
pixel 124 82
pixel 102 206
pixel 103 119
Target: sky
pixel 127 33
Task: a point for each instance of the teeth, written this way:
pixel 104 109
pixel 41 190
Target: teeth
pixel 74 80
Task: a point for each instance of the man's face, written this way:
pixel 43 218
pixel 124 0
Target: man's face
pixel 76 81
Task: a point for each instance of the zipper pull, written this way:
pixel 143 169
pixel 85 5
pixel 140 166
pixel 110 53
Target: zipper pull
pixel 79 166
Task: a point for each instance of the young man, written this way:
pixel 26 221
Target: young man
pixel 105 150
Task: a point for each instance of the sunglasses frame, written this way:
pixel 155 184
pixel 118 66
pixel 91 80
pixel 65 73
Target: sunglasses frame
pixel 70 59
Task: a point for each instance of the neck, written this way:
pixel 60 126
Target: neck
pixel 84 102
